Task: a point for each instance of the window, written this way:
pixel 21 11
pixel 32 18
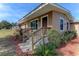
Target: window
pixel 67 25
pixel 34 25
pixel 61 24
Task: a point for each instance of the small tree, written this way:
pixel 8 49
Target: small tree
pixel 5 24
pixel 13 24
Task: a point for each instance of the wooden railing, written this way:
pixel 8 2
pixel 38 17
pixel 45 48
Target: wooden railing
pixel 37 35
pixel 43 33
pixel 41 36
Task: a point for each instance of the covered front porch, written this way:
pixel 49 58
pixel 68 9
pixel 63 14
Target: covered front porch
pixel 32 40
pixel 35 34
pixel 35 25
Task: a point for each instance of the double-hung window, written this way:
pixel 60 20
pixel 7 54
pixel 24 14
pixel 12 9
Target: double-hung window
pixel 67 25
pixel 61 24
pixel 34 24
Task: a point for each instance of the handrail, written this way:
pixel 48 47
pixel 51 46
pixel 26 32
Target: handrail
pixel 41 29
pixel 39 40
pixel 41 36
pixel 37 30
pixel 32 35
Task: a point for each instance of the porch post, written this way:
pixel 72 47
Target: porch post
pixel 25 26
pixel 41 22
pixel 32 42
pixel 43 34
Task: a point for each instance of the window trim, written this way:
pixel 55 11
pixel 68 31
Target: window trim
pixel 61 18
pixel 42 19
pixel 32 21
pixel 67 26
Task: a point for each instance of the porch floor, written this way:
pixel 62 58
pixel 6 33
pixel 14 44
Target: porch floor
pixel 71 48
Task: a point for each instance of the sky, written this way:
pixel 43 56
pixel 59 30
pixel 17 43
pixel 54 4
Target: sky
pixel 12 12
pixel 73 8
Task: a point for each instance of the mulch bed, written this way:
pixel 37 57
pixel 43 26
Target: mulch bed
pixel 70 49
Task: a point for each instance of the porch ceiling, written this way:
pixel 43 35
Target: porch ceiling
pixel 42 10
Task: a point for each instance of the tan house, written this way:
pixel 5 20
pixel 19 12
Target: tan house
pixel 47 15
pixel 75 26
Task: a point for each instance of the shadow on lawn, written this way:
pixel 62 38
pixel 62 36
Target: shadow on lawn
pixel 7 47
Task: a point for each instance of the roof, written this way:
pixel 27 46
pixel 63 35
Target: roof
pixel 75 23
pixel 41 6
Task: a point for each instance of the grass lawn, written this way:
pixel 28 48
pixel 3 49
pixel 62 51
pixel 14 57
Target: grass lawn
pixel 7 48
pixel 4 33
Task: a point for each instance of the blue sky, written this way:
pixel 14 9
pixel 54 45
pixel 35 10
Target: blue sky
pixel 73 8
pixel 12 12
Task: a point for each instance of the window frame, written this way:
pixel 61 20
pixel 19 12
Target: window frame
pixel 67 26
pixel 42 19
pixel 61 18
pixel 37 23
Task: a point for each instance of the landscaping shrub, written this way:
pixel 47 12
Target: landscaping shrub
pixel 55 40
pixel 46 50
pixel 54 37
pixel 17 35
pixel 67 36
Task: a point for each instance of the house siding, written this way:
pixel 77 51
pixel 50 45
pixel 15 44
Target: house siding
pixel 49 21
pixel 53 21
pixel 75 27
pixel 56 21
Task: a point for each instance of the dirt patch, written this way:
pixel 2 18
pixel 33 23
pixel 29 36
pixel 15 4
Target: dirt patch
pixel 71 48
pixel 7 47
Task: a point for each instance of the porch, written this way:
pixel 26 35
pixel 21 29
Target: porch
pixel 32 39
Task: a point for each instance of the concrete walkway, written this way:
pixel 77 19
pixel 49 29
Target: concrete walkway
pixel 71 48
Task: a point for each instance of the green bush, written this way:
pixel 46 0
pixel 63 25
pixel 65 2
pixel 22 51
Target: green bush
pixel 46 50
pixel 54 37
pixel 55 40
pixel 17 35
pixel 67 36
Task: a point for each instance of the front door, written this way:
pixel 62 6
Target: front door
pixel 44 25
pixel 44 22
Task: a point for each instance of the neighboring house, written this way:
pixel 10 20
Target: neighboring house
pixel 47 15
pixel 75 26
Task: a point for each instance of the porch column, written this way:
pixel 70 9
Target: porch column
pixel 41 22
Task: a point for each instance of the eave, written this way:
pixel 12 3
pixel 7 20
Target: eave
pixel 44 8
